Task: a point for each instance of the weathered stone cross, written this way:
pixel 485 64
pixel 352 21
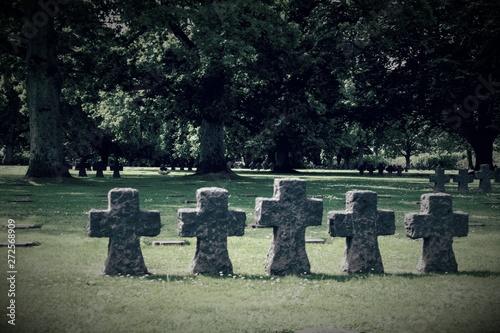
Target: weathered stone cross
pixel 361 223
pixel 124 223
pixel 211 223
pixel 437 225
pixel 463 179
pixel 484 176
pixel 289 212
pixel 439 179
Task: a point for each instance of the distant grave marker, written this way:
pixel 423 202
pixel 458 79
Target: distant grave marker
pixel 289 212
pixel 484 176
pixel 99 167
pixel 82 165
pixel 463 179
pixel 211 223
pixel 361 223
pixel 124 223
pixel 437 224
pixel 116 168
pixel 439 179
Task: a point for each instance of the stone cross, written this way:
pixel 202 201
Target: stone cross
pixel 439 179
pixel 124 223
pixel 361 223
pixel 463 179
pixel 437 224
pixel 116 168
pixel 82 167
pixel 289 212
pixel 211 223
pixel 99 167
pixel 484 176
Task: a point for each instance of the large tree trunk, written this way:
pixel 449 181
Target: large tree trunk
pixel 212 149
pixel 43 89
pixel 9 147
pixel 282 157
pixel 483 149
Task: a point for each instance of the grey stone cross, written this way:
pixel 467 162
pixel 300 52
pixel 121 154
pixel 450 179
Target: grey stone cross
pixel 439 179
pixel 124 223
pixel 361 223
pixel 289 212
pixel 484 175
pixel 211 223
pixel 437 224
pixel 463 179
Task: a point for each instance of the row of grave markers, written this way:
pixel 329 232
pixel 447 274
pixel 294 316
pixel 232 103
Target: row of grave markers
pixel 289 212
pixel 464 178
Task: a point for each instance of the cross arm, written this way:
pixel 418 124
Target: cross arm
pixel 188 222
pixel 418 225
pixel 266 210
pixel 340 224
pixel 98 225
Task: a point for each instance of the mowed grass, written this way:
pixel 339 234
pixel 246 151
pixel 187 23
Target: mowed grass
pixel 60 286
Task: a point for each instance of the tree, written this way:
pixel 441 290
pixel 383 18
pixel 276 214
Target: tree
pixel 408 136
pixel 438 60
pixel 39 33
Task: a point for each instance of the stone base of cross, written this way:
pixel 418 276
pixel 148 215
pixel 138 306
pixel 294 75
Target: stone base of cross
pixel 124 223
pixel 211 223
pixel 437 224
pixel 361 223
pixel 289 212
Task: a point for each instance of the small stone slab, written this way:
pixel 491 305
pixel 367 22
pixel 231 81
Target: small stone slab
pixel 258 226
pixel 437 224
pixel 315 241
pixel 21 244
pixel 168 243
pixel 324 330
pixel 477 224
pixel 23 195
pixel 361 223
pixel 20 200
pixel 26 226
pixel 211 223
pixel 124 223
pixel 189 201
pixel 174 195
pixel 289 212
pixel 248 195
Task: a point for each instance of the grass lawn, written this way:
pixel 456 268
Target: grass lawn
pixel 59 286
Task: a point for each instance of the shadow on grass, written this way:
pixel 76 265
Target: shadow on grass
pixel 318 277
